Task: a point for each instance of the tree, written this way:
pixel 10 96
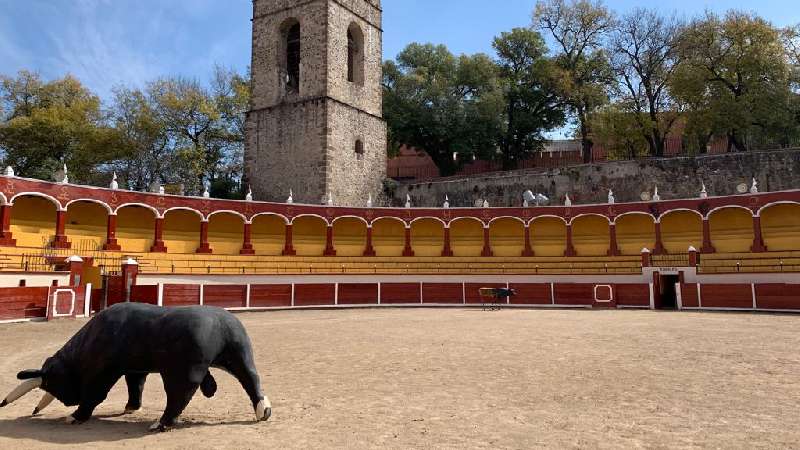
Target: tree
pixel 444 104
pixel 48 124
pixel 578 27
pixel 734 73
pixel 644 55
pixel 619 132
pixel 531 89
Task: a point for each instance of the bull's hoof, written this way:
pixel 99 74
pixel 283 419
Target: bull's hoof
pixel 35 412
pixel 263 411
pixel 131 409
pixel 71 420
pixel 158 427
pixel 267 414
pixel 3 403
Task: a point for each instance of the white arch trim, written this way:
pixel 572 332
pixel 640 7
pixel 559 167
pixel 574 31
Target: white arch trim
pixel 589 215
pixel 548 216
pixel 397 219
pixel 474 219
pixel 444 224
pixel 782 202
pixel 38 194
pixel 227 211
pixel 635 213
pixel 719 208
pixel 310 215
pixel 142 205
pixel 185 208
pixel 286 221
pixel 89 200
pixel 671 211
pixel 522 221
pixel 361 219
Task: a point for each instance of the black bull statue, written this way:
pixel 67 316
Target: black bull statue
pixel 133 340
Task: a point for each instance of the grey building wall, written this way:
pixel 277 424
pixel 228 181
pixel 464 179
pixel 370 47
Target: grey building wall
pixel 306 140
pixel 586 184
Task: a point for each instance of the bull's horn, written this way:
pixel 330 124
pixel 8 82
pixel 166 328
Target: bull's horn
pixel 43 403
pixel 21 390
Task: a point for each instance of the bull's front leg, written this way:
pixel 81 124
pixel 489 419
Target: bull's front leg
pixel 93 393
pixel 135 384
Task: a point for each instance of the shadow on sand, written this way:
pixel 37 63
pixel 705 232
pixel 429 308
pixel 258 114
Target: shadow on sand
pixel 98 429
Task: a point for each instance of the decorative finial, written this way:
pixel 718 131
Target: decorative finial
pixel 704 192
pixel 446 201
pixel 611 199
pixel 754 188
pixel 9 171
pixel 656 197
pixel 525 203
pixel 408 200
pixel 290 200
pixel 486 203
pixel 369 201
pixel 65 180
pixel 330 199
pixel 567 201
pixel 249 196
pixel 161 190
pixel 114 184
pixel 206 194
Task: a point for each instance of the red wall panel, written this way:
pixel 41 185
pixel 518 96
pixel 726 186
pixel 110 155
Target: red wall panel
pixel 116 290
pixel 358 294
pixel 632 294
pixel 450 293
pixel 225 296
pixel 726 295
pixel 574 294
pixel 778 296
pixel 399 293
pixel 270 295
pixel 181 294
pixel 144 294
pixel 23 303
pixel 531 294
pixel 689 295
pixel 472 293
pixel 314 294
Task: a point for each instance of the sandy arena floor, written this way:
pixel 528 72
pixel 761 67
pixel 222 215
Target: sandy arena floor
pixel 461 378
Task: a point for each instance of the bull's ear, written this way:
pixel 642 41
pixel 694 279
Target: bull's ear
pixel 29 374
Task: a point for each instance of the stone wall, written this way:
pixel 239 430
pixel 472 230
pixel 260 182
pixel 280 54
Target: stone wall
pixel 586 184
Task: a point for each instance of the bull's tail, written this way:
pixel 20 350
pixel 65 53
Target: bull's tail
pixel 241 365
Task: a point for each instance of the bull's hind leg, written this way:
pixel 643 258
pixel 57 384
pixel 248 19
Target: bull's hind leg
pixel 180 386
pixel 135 384
pixel 242 367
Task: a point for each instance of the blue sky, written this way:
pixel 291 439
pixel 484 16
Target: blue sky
pixel 108 42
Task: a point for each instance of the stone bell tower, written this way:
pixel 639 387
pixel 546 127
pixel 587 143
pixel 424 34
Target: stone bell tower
pixel 315 124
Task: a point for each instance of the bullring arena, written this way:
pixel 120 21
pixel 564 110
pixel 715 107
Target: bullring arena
pixel 368 329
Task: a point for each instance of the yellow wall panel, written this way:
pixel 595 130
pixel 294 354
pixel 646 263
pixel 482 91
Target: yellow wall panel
pixel 549 236
pixel 427 237
pixel 731 230
pixel 466 237
pixel 349 237
pixel 507 237
pixel 591 236
pixel 33 221
pixel 86 225
pixel 181 231
pixel 635 232
pixel 225 233
pixel 308 236
pixel 780 227
pixel 388 237
pixel 268 234
pixel 681 230
pixel 135 228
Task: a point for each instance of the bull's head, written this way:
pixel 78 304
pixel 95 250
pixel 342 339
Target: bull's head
pixel 54 378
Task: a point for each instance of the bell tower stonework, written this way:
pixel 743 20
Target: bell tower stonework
pixel 315 125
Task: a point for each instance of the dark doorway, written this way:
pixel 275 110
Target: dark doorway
pixel 669 296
